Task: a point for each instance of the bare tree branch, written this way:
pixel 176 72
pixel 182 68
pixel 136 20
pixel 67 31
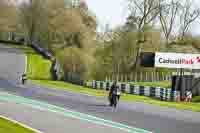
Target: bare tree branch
pixel 189 16
pixel 146 11
pixel 167 16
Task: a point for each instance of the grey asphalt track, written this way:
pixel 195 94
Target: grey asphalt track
pixel 48 122
pixel 140 115
pixel 12 63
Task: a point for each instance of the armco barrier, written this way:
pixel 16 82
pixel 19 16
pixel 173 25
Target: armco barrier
pixel 163 94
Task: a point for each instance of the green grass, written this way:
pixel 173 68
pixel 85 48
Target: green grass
pixel 10 127
pixel 125 97
pixel 163 84
pixel 38 67
pixel 196 99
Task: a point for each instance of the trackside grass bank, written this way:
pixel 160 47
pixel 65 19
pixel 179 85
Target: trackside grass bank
pixel 38 67
pixel 162 84
pixel 125 97
pixel 10 127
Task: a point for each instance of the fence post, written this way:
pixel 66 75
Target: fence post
pixel 126 78
pixel 146 73
pixel 131 78
pixel 135 76
pixel 151 76
pixel 117 76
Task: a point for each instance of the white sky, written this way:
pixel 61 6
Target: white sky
pixel 114 12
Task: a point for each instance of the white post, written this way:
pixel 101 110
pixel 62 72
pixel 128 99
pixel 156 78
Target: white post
pixel 126 79
pixel 131 76
pixel 146 73
pixel 136 76
pixel 117 76
pixel 158 77
pixel 152 76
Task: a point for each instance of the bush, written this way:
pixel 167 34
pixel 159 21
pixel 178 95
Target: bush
pixel 74 60
pixel 196 99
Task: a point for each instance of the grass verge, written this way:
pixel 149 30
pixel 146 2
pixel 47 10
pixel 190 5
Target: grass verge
pixel 162 84
pixel 10 127
pixel 38 67
pixel 125 97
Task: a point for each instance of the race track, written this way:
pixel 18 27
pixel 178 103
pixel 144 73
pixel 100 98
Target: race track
pixel 136 115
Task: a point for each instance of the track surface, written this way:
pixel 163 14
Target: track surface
pixel 148 117
pixel 48 122
pixel 12 63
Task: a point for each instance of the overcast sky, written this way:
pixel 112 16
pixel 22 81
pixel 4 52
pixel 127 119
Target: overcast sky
pixel 114 12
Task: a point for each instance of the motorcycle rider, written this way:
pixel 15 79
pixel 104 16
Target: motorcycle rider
pixel 24 78
pixel 114 94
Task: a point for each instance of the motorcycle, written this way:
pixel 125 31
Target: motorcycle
pixel 24 79
pixel 114 98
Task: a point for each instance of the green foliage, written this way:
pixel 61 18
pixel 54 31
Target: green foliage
pixel 33 18
pixel 3 35
pixel 115 56
pixel 38 67
pixel 75 60
pixel 10 127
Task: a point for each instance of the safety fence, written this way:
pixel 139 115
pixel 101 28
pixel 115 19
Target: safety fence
pixel 163 94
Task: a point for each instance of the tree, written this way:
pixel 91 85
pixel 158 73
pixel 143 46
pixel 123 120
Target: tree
pixel 73 25
pixel 188 16
pixel 74 30
pixel 142 15
pixel 32 18
pixel 167 15
pixel 8 16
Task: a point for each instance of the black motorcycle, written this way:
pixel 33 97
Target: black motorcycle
pixel 114 98
pixel 24 79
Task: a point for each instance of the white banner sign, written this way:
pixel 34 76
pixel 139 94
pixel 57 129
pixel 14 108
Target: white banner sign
pixel 177 60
